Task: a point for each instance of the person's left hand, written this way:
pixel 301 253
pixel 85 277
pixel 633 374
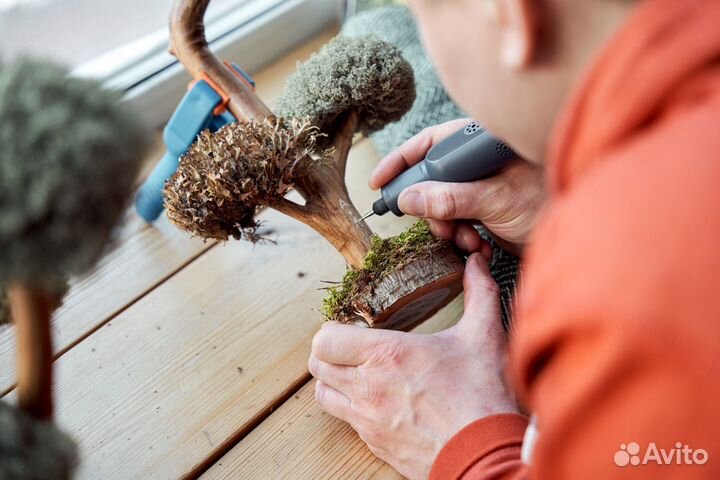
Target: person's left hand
pixel 407 394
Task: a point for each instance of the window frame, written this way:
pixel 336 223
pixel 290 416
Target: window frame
pixel 250 33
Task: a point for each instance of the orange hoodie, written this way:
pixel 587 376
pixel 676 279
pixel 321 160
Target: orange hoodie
pixel 617 347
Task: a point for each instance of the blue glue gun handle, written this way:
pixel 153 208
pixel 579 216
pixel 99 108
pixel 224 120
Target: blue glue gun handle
pixel 149 200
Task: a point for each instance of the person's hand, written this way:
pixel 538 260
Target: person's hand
pixel 507 203
pixel 407 394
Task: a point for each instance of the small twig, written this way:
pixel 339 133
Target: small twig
pixel 290 208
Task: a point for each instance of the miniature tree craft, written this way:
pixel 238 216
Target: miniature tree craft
pixel 69 160
pixel 351 85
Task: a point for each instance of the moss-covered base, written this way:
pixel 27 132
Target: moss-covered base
pixel 403 280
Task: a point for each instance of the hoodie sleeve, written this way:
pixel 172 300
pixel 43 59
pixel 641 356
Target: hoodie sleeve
pixel 488 448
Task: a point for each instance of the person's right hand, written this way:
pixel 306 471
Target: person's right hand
pixel 507 203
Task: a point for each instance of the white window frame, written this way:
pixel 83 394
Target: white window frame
pixel 251 34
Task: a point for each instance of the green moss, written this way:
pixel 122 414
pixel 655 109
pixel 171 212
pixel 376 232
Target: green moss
pixel 385 255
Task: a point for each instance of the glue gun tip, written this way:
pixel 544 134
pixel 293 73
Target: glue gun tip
pixel 367 215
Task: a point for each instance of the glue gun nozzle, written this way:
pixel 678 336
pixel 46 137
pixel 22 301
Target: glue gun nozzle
pixel 367 215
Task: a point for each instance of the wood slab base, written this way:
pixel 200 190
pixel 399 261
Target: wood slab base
pixel 415 292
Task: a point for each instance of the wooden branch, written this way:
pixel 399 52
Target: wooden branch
pixel 31 311
pixel 343 142
pixel 333 215
pixel 188 44
pixel 290 208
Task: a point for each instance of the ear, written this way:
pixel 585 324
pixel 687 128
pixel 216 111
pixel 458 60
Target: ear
pixel 518 35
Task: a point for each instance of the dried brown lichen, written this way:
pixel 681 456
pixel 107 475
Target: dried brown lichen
pixel 226 176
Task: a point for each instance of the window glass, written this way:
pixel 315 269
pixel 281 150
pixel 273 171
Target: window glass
pixel 76 31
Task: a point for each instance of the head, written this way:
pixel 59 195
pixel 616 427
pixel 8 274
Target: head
pixel 511 63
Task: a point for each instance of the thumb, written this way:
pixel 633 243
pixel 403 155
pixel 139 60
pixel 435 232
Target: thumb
pixel 446 201
pixel 481 318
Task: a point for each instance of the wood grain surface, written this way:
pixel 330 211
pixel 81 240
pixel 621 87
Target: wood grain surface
pixel 300 441
pixel 173 354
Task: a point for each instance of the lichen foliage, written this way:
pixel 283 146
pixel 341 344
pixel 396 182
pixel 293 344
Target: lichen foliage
pixel 69 155
pixel 226 176
pixel 31 449
pixel 364 74
pixel 386 255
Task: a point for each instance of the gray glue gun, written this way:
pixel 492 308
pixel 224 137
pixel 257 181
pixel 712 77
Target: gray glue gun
pixel 467 155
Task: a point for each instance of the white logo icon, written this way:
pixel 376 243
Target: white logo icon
pixel 629 454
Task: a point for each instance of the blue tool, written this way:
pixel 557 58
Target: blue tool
pixel 201 108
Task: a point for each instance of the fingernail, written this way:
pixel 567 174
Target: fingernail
pixel 412 203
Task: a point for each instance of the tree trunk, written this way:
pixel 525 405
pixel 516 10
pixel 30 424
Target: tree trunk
pixel 31 311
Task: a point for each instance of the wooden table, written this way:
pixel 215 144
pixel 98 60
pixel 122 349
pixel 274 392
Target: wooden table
pixel 183 359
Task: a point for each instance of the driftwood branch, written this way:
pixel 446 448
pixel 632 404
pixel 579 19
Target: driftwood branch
pixel 343 142
pixel 188 44
pixel 328 208
pixel 31 311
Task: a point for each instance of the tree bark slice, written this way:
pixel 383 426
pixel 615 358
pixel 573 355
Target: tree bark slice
pixel 413 293
pixel 31 311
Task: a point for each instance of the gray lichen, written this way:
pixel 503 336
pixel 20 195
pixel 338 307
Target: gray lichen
pixel 364 74
pixel 69 154
pixel 226 176
pixel 32 449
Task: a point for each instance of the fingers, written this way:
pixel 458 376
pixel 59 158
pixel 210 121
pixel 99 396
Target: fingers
pixel 333 402
pixel 339 377
pixel 464 235
pixel 481 317
pixel 448 201
pixel 411 152
pixel 406 155
pixel 444 229
pixel 469 240
pixel 344 344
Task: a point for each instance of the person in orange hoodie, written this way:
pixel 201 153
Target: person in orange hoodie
pixel 614 352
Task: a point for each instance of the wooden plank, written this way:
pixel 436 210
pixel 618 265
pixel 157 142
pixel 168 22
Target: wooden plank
pixel 144 256
pixel 300 441
pixel 179 377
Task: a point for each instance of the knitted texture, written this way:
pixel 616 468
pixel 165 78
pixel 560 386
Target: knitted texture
pixel 395 25
pixel 69 158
